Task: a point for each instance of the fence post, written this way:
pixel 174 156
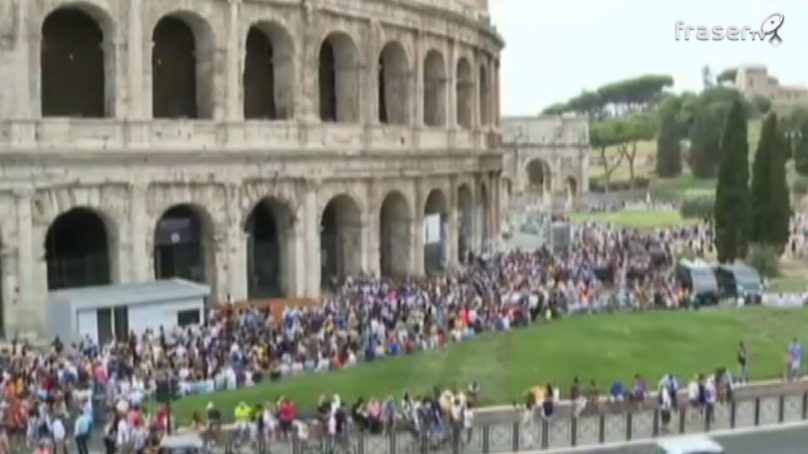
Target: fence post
pixel 545 434
pixel 781 409
pixel 757 411
pixel 601 428
pixel 682 418
pixel 515 437
pixel 732 410
pixel 629 418
pixel 295 446
pixel 708 416
pixel 486 440
pixel 805 405
pixel 360 442
pixel 457 433
pixel 574 431
pixel 655 427
pixel 424 443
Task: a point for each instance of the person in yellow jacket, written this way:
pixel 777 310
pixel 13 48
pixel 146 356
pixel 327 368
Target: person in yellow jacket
pixel 242 414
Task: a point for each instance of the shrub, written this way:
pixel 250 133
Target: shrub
pixel 765 259
pixel 697 207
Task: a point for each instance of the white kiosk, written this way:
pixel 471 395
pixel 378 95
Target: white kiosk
pixel 113 311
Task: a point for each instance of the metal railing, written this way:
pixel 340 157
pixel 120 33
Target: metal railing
pixel 510 432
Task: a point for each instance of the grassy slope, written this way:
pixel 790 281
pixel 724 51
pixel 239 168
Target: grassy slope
pixel 602 347
pixel 635 218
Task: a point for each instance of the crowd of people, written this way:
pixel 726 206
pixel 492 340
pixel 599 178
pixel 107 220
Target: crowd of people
pixel 367 319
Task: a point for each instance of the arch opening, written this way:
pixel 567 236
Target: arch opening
pixel 182 67
pixel 268 73
pixel 74 64
pixel 435 227
pixel 77 250
pixel 484 211
pixel 269 227
pixel 339 79
pixel 484 96
pixel 393 85
pixel 463 88
pixel 434 89
pixel 340 240
pixel 395 234
pixel 538 177
pixel 183 245
pixel 465 223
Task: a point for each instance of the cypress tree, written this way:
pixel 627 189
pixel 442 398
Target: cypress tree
pixel 779 194
pixel 760 209
pixel 800 150
pixel 732 190
pixel 669 152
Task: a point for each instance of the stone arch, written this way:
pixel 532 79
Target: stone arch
pixel 395 233
pixel 78 249
pixel 434 89
pixel 464 86
pixel 465 221
pixel 539 177
pixel 270 263
pixel 339 79
pixel 484 86
pixel 184 244
pixel 394 84
pixel 77 62
pixel 183 57
pixel 269 72
pixel 571 190
pixel 436 217
pixel 340 239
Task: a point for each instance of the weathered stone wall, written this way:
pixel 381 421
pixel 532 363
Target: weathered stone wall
pixel 131 168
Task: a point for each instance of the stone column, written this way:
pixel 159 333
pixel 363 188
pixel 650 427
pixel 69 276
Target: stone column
pixel 297 251
pixel 233 53
pixel 307 57
pixel 417 101
pixel 11 301
pixel 311 223
pixel 236 247
pixel 26 67
pixel 417 230
pixel 476 121
pixel 32 269
pixel 452 228
pixel 142 266
pixel 451 86
pixel 135 75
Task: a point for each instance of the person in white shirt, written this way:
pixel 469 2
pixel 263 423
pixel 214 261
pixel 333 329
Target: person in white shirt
pixel 59 436
pixel 123 437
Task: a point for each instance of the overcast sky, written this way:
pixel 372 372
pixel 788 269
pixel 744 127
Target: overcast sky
pixel 556 48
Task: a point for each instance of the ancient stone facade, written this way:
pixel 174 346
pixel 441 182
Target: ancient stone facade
pixel 546 158
pixel 260 146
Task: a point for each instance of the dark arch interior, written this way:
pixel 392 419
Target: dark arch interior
pixel 264 255
pixel 77 251
pixel 383 117
pixel 174 70
pixel 435 252
pixel 328 83
pixel 72 60
pixel 259 77
pixel 329 245
pixel 465 223
pixel 395 236
pixel 537 174
pixel 483 95
pixel 178 245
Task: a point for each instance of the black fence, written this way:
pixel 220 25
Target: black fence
pixel 507 432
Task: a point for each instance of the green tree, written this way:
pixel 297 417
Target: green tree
pixel 760 190
pixel 727 76
pixel 732 192
pixel 799 148
pixel 669 147
pixel 705 139
pixel 637 127
pixel 779 201
pixel 762 104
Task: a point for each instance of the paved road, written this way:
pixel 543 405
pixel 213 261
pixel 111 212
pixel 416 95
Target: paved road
pixel 779 441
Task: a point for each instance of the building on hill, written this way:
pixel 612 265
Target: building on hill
pixel 263 148
pixel 754 81
pixel 546 159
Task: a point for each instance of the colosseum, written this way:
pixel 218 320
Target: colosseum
pixel 263 147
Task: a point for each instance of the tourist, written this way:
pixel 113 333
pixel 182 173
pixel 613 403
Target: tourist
pixel 743 363
pixel 795 357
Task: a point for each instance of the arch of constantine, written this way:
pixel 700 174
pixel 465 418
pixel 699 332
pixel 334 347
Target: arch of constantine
pixel 546 159
pixel 263 147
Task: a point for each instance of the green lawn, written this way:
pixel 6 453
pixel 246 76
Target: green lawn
pixel 644 219
pixel 601 347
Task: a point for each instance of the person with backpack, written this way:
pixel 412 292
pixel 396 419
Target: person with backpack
pixel 81 431
pixel 111 434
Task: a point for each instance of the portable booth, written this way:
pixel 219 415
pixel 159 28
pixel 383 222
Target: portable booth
pixel 699 278
pixel 113 311
pixel 739 279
